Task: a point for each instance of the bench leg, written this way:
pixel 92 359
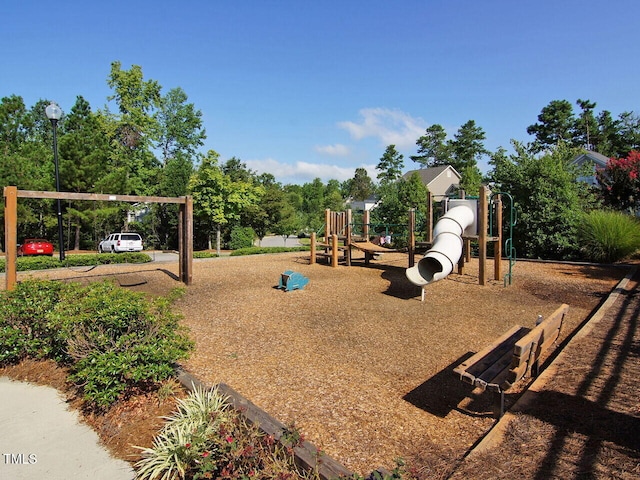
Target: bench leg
pixel 501 403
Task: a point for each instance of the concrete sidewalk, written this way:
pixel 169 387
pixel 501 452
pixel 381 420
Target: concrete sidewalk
pixel 41 438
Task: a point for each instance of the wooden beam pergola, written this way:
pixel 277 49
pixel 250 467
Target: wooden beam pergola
pixel 185 224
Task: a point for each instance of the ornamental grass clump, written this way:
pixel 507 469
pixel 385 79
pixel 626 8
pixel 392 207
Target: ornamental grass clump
pixel 207 438
pixel 608 236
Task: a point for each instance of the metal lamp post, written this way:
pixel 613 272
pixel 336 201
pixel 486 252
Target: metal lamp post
pixel 54 114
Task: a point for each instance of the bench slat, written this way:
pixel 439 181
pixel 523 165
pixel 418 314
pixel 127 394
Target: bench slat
pixel 549 327
pixel 493 377
pixel 540 339
pixel 499 353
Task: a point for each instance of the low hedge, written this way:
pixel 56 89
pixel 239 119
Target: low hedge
pixel 77 260
pixel 263 250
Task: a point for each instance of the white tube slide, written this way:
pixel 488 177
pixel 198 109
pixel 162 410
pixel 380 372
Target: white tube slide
pixel 445 252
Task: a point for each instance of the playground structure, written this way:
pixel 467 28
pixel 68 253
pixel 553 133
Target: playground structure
pixel 448 244
pixel 338 239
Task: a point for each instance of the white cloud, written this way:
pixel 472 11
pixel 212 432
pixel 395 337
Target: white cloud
pixel 337 150
pixel 303 172
pixel 392 127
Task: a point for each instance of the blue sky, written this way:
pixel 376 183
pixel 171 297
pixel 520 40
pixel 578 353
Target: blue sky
pixel 306 89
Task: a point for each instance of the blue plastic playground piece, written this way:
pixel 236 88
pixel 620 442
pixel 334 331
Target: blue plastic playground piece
pixel 291 280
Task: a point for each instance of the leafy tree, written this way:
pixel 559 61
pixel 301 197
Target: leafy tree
pixel 313 200
pixel 629 131
pixel 547 198
pixel 361 186
pixel 396 198
pixel 12 124
pixel 390 165
pixel 333 196
pixel 556 125
pixel 264 215
pixel 217 198
pixel 237 170
pixel 586 125
pixel 471 179
pixel 288 222
pixel 606 139
pixel 413 194
pixel 133 131
pixel 180 126
pixel 467 146
pixel 173 181
pixel 83 154
pixel 433 148
pixel 620 182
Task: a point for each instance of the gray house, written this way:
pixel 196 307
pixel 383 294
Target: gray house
pixel 441 181
pixel 594 161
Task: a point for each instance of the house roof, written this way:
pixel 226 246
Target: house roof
pixel 428 175
pixel 594 158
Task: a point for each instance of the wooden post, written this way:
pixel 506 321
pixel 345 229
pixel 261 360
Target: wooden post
pixel 327 225
pixel 429 238
pixel 497 244
pixel 365 224
pixel 11 235
pixel 185 241
pixel 334 250
pixel 347 240
pixel 186 252
pixel 482 236
pixel 411 248
pixel 312 258
pixel 181 239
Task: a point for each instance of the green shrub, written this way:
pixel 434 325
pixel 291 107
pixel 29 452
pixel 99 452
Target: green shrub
pixel 262 250
pixel 608 236
pixel 204 254
pixel 111 338
pixel 24 264
pixel 116 338
pixel 24 326
pixel 241 237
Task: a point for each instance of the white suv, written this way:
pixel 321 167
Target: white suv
pixel 121 242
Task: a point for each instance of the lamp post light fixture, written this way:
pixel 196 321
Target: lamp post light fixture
pixel 54 114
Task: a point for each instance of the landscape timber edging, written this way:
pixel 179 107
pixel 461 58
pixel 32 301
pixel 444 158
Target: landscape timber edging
pixel 307 455
pixel 496 433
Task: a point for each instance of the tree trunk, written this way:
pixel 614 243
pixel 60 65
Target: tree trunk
pixel 218 239
pixel 76 243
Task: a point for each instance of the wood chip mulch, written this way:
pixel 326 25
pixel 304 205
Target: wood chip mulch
pixel 355 360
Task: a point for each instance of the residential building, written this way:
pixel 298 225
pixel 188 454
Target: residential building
pixel 441 181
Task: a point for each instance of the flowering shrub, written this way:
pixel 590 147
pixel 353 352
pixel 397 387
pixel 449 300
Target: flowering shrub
pixel 620 181
pixel 207 438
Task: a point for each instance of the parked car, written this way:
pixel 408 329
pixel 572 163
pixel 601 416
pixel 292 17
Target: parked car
pixel 121 242
pixel 35 246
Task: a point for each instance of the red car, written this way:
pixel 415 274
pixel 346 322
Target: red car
pixel 35 246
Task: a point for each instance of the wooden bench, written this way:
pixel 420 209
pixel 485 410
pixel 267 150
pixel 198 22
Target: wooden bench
pixel 513 356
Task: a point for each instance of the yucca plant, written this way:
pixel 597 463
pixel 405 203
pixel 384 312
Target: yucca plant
pixel 608 236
